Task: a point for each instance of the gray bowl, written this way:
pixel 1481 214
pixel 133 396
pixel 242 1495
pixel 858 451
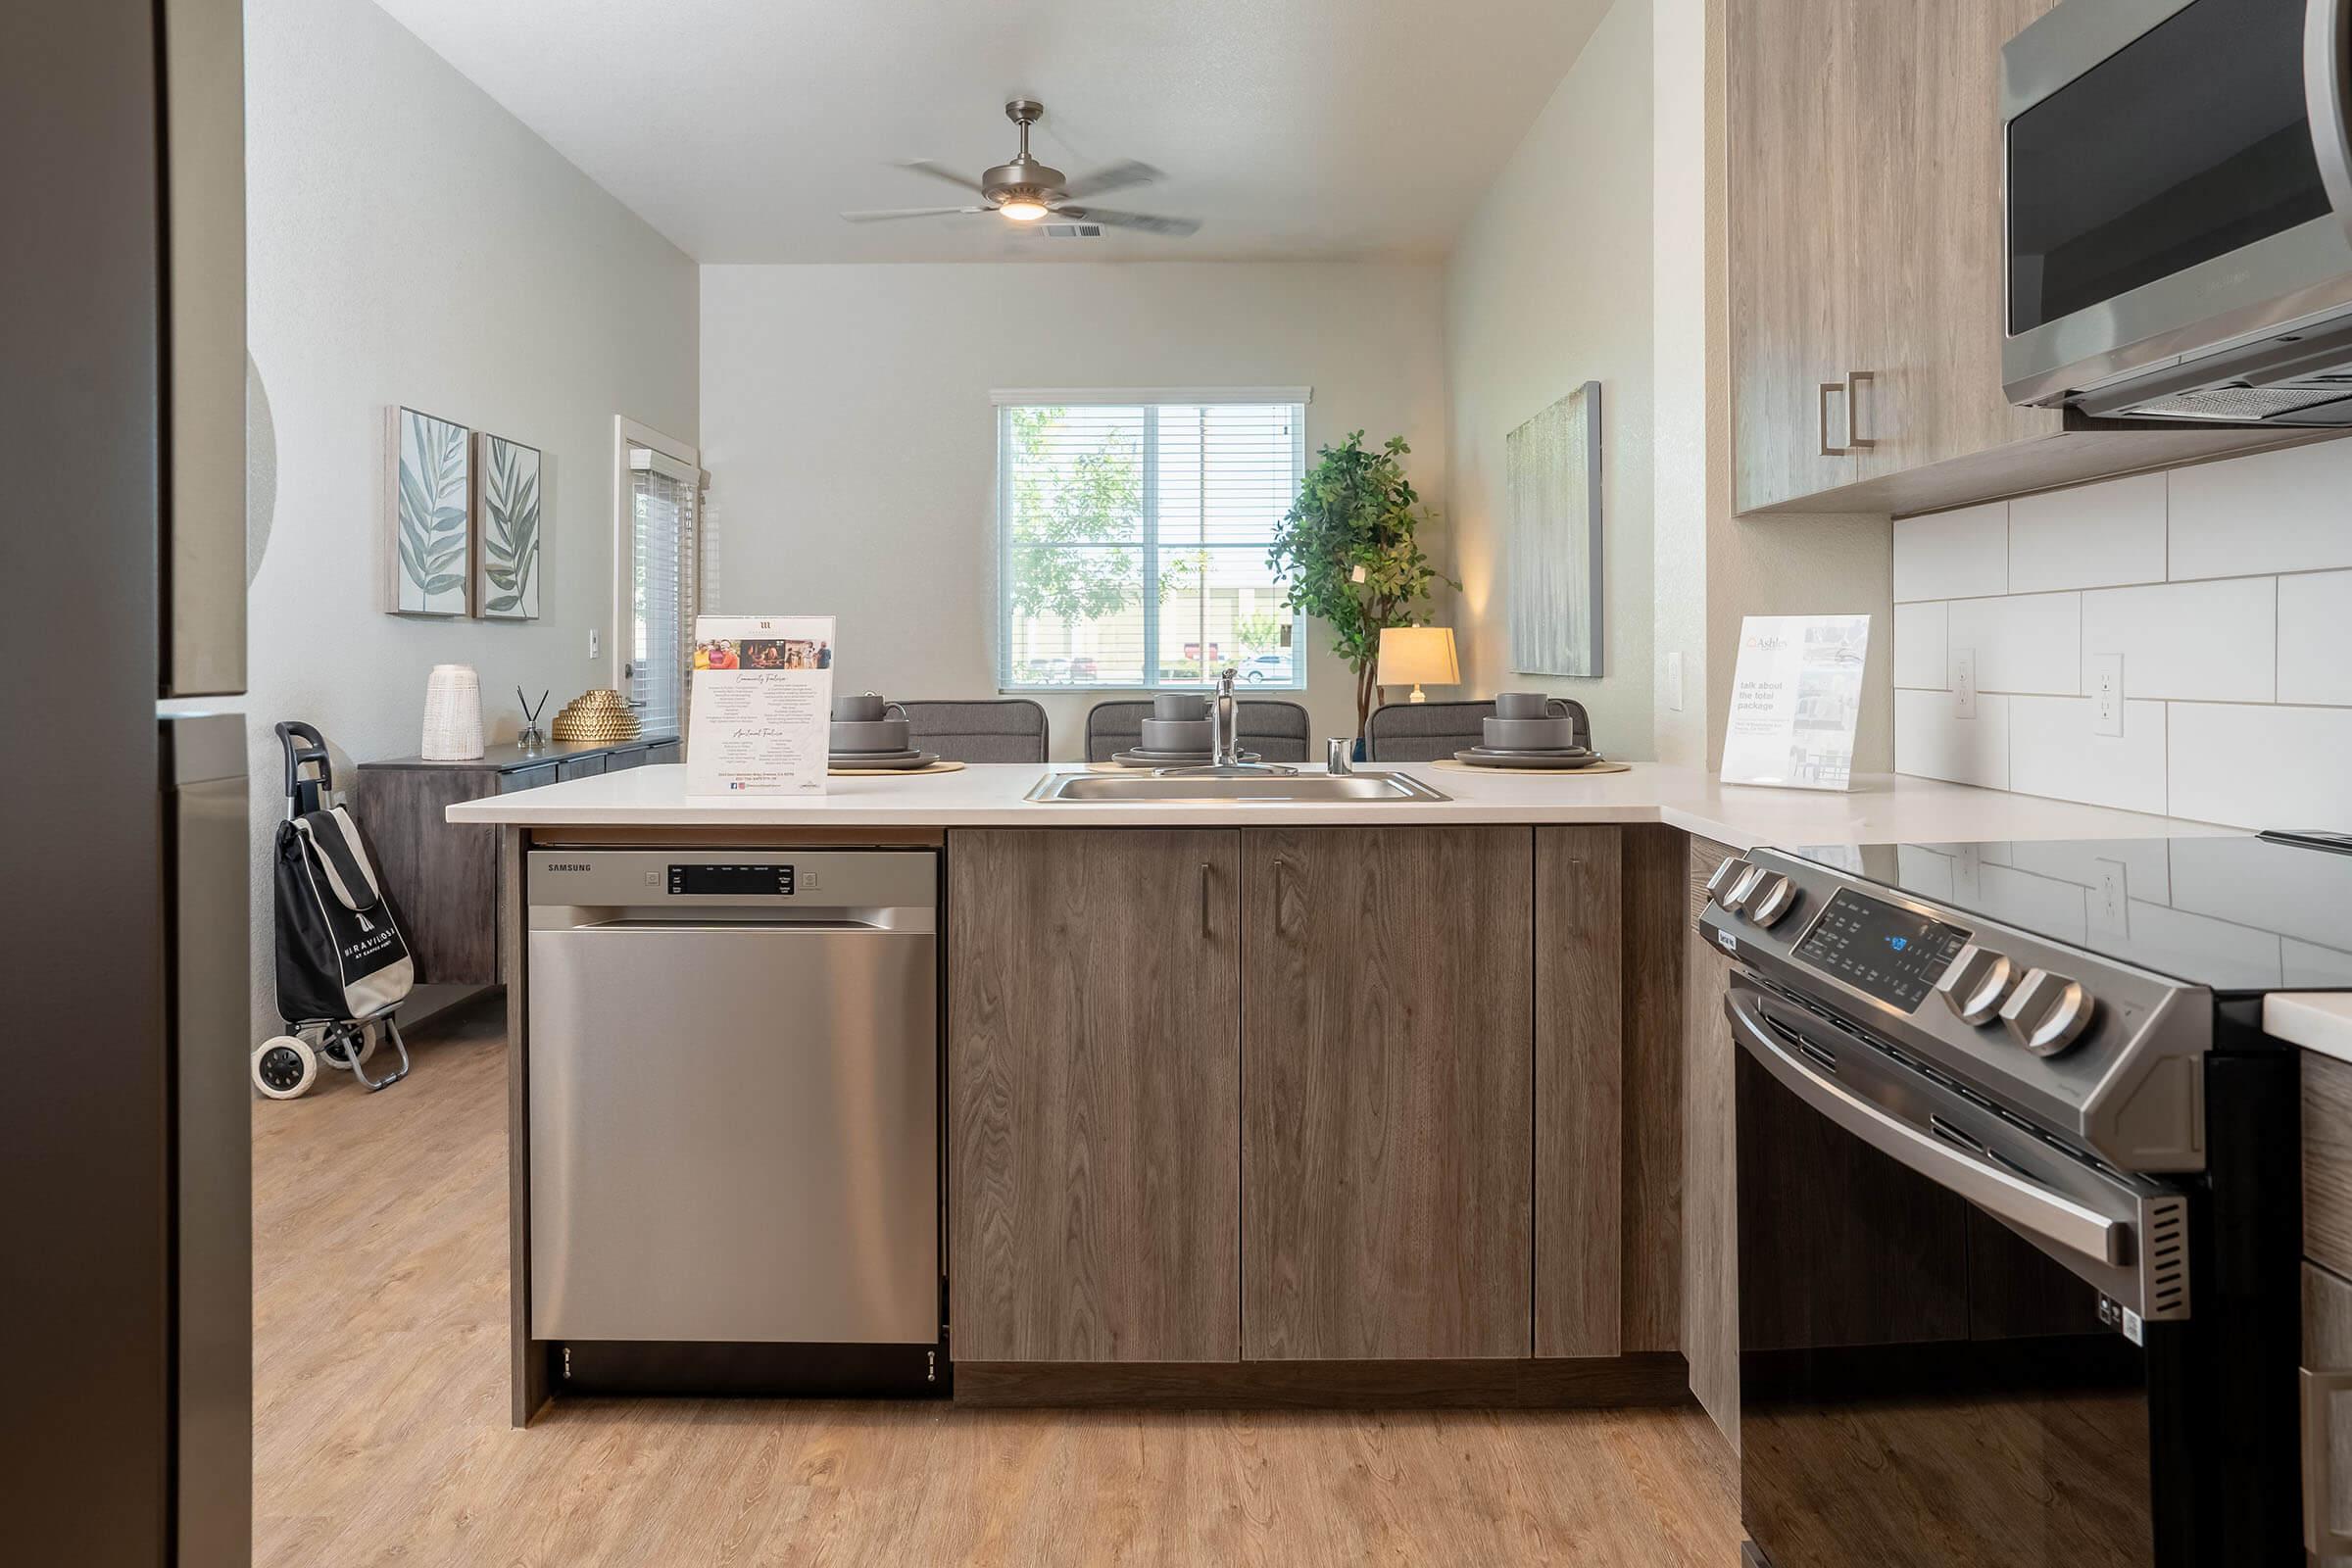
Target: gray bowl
pixel 1175 735
pixel 1179 705
pixel 870 735
pixel 1530 734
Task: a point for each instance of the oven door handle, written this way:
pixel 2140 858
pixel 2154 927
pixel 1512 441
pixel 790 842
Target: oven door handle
pixel 2033 1208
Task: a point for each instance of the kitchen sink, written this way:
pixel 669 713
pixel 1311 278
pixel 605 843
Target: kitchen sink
pixel 1205 789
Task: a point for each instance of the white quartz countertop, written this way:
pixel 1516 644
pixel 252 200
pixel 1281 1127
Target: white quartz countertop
pixel 2316 1020
pixel 1879 808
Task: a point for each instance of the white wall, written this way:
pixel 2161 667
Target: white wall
pixel 1549 287
pixel 411 242
pixel 2226 590
pixel 1681 417
pixel 852 446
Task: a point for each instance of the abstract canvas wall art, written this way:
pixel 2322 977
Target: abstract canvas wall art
pixel 1552 467
pixel 430 508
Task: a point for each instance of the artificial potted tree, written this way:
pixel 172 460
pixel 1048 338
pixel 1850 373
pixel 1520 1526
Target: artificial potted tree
pixel 1345 554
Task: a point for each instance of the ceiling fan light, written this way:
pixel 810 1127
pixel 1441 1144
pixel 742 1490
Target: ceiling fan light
pixel 1022 210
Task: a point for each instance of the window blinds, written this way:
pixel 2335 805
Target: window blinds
pixel 1133 542
pixel 662 576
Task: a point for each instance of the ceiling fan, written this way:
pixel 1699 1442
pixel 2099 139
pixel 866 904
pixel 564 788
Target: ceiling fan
pixel 1026 190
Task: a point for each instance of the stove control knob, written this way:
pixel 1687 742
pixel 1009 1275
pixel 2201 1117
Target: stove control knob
pixel 1734 899
pixel 2048 1012
pixel 1975 985
pixel 1726 876
pixel 1771 899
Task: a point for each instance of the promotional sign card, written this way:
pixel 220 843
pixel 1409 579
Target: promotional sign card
pixel 758 719
pixel 1795 701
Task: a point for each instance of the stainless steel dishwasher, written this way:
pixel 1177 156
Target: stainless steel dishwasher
pixel 733 1088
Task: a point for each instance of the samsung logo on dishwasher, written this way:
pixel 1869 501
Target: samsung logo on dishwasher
pixel 567 865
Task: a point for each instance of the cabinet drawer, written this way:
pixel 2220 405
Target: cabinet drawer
pixel 2328 1161
pixel 572 767
pixel 632 757
pixel 2328 1348
pixel 664 753
pixel 526 778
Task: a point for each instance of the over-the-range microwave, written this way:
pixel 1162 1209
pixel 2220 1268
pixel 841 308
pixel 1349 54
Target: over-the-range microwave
pixel 2178 222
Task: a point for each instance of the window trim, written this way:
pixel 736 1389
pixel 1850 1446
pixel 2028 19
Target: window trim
pixel 1152 399
pixel 627 433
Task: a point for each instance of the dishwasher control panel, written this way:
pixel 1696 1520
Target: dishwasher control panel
pixel 703 877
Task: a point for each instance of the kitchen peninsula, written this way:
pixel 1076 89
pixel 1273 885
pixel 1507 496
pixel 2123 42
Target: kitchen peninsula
pixel 1404 1100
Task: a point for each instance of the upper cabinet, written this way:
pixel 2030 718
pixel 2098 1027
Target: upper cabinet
pixel 1864 225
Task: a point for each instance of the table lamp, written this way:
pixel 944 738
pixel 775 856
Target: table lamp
pixel 1419 654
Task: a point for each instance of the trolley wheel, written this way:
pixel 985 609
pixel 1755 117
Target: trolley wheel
pixel 332 1040
pixel 284 1066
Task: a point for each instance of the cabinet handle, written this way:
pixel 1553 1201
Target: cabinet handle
pixel 1855 441
pixel 1205 931
pixel 2319 1535
pixel 1829 390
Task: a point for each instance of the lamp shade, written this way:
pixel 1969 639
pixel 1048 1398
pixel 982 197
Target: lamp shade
pixel 1418 656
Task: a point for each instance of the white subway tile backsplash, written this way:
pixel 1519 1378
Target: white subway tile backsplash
pixel 2273 511
pixel 2315 638
pixel 2313 967
pixel 2252 766
pixel 1931 741
pixel 1952 555
pixel 1919 644
pixel 2223 590
pixel 2202 641
pixel 2023 642
pixel 2098 536
pixel 2054 751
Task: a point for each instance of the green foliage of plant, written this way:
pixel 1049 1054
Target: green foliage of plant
pixel 1356 512
pixel 509 530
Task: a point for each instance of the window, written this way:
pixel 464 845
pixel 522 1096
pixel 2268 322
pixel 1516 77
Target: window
pixel 1134 529
pixel 658 539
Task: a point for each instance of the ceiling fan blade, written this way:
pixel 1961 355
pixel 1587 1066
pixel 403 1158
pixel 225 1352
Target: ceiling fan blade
pixel 1146 222
pixel 924 166
pixel 1114 176
pixel 877 215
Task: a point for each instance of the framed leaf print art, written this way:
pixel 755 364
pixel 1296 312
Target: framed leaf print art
pixel 506 578
pixel 432 514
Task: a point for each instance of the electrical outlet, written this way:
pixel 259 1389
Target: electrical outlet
pixel 592 643
pixel 2108 914
pixel 1964 682
pixel 2106 694
pixel 1674 681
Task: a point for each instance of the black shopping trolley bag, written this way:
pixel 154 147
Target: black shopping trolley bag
pixel 340 950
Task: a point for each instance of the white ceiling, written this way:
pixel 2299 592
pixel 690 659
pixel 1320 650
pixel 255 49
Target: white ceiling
pixel 1291 128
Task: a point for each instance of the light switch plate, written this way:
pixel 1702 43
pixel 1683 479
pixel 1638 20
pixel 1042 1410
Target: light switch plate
pixel 1964 682
pixel 2106 694
pixel 592 643
pixel 1674 681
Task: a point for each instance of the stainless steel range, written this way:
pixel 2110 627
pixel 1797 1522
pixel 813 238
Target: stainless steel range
pixel 2019 1198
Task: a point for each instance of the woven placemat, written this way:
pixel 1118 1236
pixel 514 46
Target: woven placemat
pixel 1536 773
pixel 942 766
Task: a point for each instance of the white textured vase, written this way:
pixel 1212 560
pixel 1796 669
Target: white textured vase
pixel 453 714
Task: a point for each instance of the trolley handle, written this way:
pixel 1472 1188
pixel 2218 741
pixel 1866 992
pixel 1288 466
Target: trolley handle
pixel 305 794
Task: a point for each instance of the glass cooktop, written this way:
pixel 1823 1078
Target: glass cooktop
pixel 2231 913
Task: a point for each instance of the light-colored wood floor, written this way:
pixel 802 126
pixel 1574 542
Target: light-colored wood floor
pixel 381 1436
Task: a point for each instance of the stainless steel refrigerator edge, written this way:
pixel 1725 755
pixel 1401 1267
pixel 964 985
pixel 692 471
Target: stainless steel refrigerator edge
pixel 124 1255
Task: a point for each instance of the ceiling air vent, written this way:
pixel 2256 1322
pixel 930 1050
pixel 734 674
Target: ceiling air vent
pixel 1067 231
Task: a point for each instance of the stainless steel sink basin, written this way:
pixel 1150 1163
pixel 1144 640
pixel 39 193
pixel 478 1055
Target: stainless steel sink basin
pixel 1217 788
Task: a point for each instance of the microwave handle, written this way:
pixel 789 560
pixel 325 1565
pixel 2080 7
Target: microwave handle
pixel 2033 1208
pixel 2326 39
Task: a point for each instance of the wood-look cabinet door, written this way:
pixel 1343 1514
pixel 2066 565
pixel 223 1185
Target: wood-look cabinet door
pixel 1790 146
pixel 2328 1348
pixel 1094 1061
pixel 1710 1228
pixel 1923 272
pixel 1579 1091
pixel 1387 997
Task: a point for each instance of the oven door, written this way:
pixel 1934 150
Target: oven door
pixel 2175 180
pixel 1933 1372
